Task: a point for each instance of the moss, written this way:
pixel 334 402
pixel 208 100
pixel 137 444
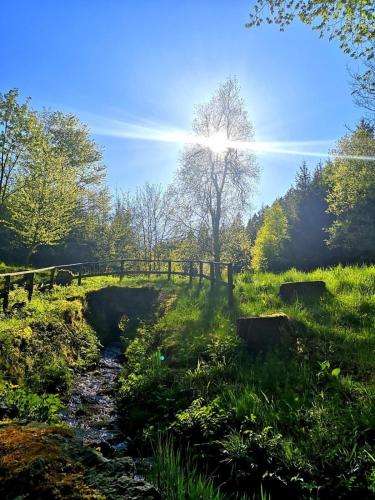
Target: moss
pixel 45 462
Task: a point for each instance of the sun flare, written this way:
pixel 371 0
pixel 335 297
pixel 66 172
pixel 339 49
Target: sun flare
pixel 218 142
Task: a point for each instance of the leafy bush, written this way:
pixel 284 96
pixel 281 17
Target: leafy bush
pixel 201 420
pixel 52 378
pixel 29 406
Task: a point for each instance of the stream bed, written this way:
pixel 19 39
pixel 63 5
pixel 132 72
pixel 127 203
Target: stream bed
pixel 91 409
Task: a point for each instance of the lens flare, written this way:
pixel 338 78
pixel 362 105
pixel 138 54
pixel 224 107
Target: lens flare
pixel 217 142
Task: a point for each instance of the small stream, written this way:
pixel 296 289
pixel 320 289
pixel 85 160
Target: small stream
pixel 91 409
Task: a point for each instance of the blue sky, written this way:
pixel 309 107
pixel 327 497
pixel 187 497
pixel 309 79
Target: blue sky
pixel 146 63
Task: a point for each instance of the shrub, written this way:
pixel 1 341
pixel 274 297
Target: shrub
pixel 29 406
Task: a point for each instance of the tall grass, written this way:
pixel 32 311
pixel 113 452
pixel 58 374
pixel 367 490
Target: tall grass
pixel 176 477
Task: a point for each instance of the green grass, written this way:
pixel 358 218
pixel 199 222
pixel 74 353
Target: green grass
pixel 176 477
pixel 43 343
pixel 297 423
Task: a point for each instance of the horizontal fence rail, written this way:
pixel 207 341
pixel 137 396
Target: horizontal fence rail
pixel 218 273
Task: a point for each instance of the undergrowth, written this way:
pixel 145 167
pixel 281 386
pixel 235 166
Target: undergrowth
pixel 298 422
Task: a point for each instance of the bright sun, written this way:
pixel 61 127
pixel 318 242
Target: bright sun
pixel 218 142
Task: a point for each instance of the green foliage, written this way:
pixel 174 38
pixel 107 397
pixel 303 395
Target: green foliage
pixel 268 251
pixel 351 194
pixel 70 139
pixel 176 477
pixel 51 179
pixel 201 420
pixel 44 342
pixel 41 208
pixel 236 244
pixel 29 406
pixel 297 422
pixel 305 207
pixel 16 123
pixel 350 22
pixel 56 377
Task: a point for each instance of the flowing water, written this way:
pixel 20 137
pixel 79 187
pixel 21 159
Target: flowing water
pixel 91 409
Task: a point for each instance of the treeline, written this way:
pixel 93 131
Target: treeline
pixel 55 206
pixel 327 216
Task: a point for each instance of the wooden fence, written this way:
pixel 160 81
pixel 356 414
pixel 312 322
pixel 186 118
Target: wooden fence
pixel 218 273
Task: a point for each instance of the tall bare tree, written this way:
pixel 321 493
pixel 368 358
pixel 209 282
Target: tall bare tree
pixel 152 219
pixel 214 179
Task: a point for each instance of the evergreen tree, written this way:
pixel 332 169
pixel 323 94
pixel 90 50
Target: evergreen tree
pixel 351 195
pixel 254 224
pixel 305 207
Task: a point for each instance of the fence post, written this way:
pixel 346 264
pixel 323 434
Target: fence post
pixel 6 293
pixel 30 287
pixel 200 271
pixel 230 285
pixel 190 272
pixel 169 269
pixel 212 274
pixel 52 278
pixel 121 270
pixel 79 282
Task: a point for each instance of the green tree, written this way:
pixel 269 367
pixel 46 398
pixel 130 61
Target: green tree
pixel 351 22
pixel 268 251
pixel 236 243
pixel 16 124
pixel 305 207
pixel 70 138
pixel 116 238
pixel 363 90
pixel 42 204
pixel 254 224
pixel 351 194
pixel 28 140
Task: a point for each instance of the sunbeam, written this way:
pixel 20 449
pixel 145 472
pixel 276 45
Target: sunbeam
pixel 217 142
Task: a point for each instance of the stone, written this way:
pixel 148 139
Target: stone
pixel 64 277
pixel 40 461
pixel 116 480
pixel 302 290
pixel 266 333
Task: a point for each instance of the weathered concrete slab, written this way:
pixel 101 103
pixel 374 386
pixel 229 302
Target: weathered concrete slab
pixel 265 333
pixel 64 277
pixel 302 290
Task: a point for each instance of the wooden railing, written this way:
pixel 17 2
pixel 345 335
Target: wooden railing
pixel 218 273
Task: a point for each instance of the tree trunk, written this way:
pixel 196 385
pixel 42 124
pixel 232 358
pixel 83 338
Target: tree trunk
pixel 30 252
pixel 216 246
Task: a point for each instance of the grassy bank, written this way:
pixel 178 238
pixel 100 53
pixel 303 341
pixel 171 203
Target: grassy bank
pixel 42 343
pixel 299 422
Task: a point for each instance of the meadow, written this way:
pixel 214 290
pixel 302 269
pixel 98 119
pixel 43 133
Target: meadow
pixel 220 422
